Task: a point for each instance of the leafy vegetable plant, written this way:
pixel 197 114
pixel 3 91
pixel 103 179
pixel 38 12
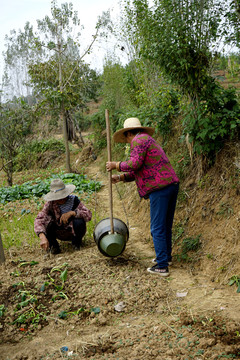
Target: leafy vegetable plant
pixel 38 187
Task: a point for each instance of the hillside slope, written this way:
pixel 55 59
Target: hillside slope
pixel 191 314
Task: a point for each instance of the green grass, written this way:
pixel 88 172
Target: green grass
pixel 18 231
pixel 188 245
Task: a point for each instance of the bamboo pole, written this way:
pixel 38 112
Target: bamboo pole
pixel 110 172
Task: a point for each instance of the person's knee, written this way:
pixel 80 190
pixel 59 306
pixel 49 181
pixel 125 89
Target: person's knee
pixel 79 226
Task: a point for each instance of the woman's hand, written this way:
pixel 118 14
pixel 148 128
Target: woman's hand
pixel 44 243
pixel 115 178
pixel 111 165
pixel 65 217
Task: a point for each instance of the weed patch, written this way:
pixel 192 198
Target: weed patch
pixel 188 245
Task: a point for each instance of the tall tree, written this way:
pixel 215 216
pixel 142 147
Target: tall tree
pixel 181 37
pixel 17 56
pixel 60 51
pixel 57 54
pixel 15 124
pixel 232 17
pixel 83 86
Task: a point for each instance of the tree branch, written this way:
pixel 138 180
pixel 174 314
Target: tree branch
pixel 78 61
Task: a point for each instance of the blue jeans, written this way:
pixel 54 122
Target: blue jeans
pixel 162 208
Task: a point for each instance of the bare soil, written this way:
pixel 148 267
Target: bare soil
pixel 112 308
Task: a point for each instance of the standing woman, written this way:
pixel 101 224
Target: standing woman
pixel 155 179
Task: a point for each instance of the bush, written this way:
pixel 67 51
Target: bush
pixel 27 154
pixel 214 120
pixel 41 146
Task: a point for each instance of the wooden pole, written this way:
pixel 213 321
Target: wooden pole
pixel 2 257
pixel 110 172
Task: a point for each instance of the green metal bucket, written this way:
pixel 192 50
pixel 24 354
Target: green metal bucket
pixel 111 245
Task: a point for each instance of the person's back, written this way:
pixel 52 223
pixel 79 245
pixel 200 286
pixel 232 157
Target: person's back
pixel 152 168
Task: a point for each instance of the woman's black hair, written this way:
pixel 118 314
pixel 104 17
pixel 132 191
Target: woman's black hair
pixel 133 131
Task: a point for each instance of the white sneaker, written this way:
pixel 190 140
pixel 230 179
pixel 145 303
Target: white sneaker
pixel 156 270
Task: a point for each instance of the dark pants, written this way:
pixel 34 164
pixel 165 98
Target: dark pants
pixel 162 208
pixel 55 232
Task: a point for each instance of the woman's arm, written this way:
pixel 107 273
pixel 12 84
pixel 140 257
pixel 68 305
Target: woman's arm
pixel 42 220
pixel 83 212
pixel 139 148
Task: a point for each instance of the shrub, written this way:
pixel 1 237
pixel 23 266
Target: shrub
pixel 27 154
pixel 214 120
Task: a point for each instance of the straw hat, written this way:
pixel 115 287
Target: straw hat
pixel 130 124
pixel 58 190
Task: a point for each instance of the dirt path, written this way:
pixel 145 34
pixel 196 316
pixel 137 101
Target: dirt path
pixel 202 294
pixel 185 316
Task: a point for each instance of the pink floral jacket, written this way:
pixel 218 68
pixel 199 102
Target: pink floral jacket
pixel 51 212
pixel 148 166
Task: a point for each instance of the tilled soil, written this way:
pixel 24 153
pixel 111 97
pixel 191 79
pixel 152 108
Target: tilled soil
pixel 82 305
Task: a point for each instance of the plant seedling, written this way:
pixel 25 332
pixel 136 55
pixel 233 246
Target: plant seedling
pixel 2 310
pixel 235 280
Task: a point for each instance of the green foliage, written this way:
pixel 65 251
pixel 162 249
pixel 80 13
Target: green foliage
pixel 16 118
pixel 38 187
pixel 18 231
pixel 159 108
pixel 28 303
pixel 40 146
pixel 178 232
pixel 232 16
pixel 141 93
pixel 2 310
pixel 46 81
pixel 235 280
pixel 57 284
pixel 189 244
pixel 114 89
pixel 215 120
pixel 178 36
pixel 84 121
pixel 63 314
pixel 98 120
pixel 28 154
pixel 91 226
pixel 225 210
pixel 98 123
pixel 95 310
pixel 166 108
pixel 181 162
pixel 63 79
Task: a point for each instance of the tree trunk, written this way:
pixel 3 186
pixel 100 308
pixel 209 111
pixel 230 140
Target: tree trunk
pixel 62 109
pixel 2 257
pixel 65 137
pixel 72 128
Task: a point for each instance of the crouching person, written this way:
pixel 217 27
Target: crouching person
pixel 63 217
